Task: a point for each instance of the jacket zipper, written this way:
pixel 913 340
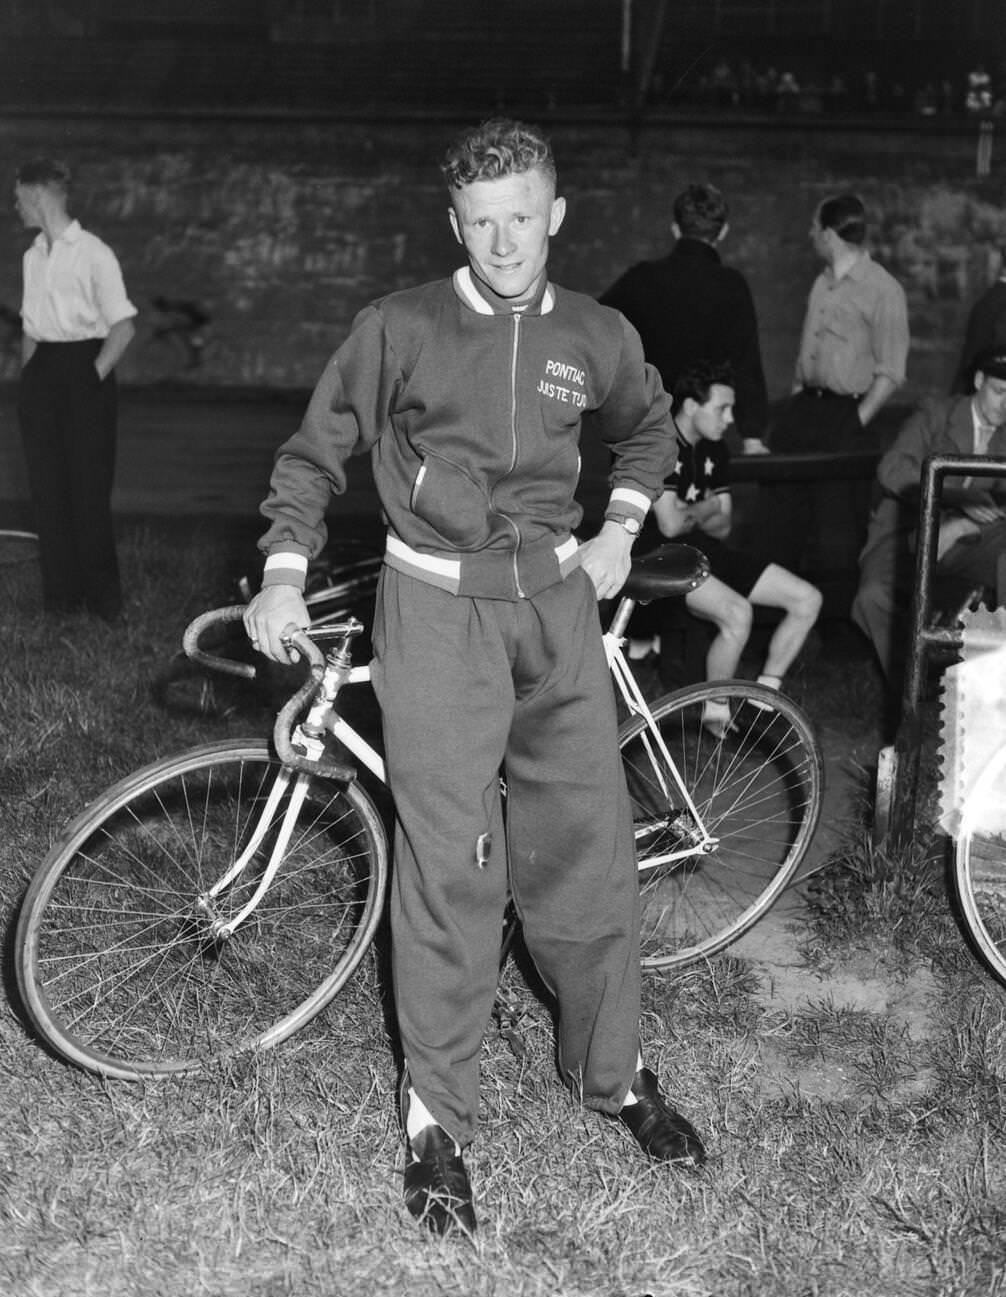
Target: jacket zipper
pixel 513 456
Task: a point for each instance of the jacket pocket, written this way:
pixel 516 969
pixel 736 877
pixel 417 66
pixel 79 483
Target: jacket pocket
pixel 452 503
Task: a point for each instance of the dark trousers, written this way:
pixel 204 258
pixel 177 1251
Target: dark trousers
pixel 468 686
pixel 820 524
pixel 68 426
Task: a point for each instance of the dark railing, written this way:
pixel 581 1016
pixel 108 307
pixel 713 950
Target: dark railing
pixel 831 465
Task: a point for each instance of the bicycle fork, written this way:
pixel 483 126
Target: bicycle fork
pixel 222 929
pixel 307 739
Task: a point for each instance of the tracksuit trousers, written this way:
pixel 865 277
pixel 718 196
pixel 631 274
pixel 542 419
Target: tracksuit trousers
pixel 68 427
pixel 468 688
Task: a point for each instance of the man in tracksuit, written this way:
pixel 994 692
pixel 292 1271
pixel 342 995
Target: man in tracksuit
pixel 469 394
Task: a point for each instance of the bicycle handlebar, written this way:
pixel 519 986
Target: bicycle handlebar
pixel 286 718
pixel 193 650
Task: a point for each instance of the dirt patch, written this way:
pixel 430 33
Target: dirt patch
pixel 847 1034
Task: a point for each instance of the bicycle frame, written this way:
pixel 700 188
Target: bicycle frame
pixel 306 736
pixel 323 718
pixel 700 840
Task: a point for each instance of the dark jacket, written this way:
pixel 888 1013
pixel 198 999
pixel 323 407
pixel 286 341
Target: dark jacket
pixel 473 418
pixel 986 327
pixel 687 307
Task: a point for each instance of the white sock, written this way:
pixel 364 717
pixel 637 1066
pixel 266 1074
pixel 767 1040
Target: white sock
pixel 419 1117
pixel 630 1098
pixel 768 682
pixel 639 648
pixel 716 716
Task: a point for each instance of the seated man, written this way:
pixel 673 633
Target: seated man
pixel 696 508
pixel 972 534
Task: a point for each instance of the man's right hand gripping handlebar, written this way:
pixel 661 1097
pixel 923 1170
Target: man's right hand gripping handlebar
pixel 271 615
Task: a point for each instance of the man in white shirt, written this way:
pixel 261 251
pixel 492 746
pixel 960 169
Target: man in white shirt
pixel 852 359
pixel 77 322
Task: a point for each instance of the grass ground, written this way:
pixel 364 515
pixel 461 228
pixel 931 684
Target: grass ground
pixel 281 1174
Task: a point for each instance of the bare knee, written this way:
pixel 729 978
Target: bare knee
pixel 736 619
pixel 808 604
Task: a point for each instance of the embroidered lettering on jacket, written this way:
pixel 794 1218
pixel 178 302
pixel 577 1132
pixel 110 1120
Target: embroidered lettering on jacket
pixel 564 383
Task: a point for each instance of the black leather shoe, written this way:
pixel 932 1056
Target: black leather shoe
pixel 437 1189
pixel 661 1132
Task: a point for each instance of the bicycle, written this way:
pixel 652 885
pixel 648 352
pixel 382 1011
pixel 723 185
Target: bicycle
pixel 980 865
pixel 217 900
pixel 339 585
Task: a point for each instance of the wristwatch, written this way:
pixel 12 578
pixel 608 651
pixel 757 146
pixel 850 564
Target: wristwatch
pixel 632 525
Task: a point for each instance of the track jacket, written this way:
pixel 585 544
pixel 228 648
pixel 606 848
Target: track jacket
pixel 472 413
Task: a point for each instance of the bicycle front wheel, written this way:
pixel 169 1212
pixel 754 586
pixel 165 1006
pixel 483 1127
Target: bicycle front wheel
pixel 709 870
pixel 980 864
pixel 120 957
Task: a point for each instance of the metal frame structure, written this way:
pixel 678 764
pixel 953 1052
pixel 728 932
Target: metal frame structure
pixel 927 639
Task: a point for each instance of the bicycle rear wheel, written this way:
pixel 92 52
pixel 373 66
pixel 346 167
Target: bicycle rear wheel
pixel 980 865
pixel 116 959
pixel 757 790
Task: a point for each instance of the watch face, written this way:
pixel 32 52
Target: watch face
pixel 632 525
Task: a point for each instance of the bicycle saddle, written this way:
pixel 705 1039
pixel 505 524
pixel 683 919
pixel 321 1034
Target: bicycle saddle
pixel 672 569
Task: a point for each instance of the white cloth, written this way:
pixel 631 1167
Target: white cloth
pixel 74 291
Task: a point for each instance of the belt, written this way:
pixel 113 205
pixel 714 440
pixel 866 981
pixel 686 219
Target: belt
pixel 825 393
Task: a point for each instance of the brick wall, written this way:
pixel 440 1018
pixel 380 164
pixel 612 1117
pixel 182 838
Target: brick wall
pixel 278 231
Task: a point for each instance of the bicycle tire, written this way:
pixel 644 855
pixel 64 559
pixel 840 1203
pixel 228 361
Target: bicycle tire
pixel 17 547
pixel 980 865
pixel 758 790
pixel 116 963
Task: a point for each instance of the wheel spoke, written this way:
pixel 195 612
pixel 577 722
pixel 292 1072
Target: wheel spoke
pixel 756 793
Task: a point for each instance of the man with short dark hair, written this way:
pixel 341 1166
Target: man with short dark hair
pixel 688 307
pixel 972 535
pixel 696 507
pixel 852 359
pixel 469 393
pixel 77 322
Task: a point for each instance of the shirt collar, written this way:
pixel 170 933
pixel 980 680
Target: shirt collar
pixel 982 431
pixel 856 272
pixel 687 246
pixel 71 234
pixel 683 443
